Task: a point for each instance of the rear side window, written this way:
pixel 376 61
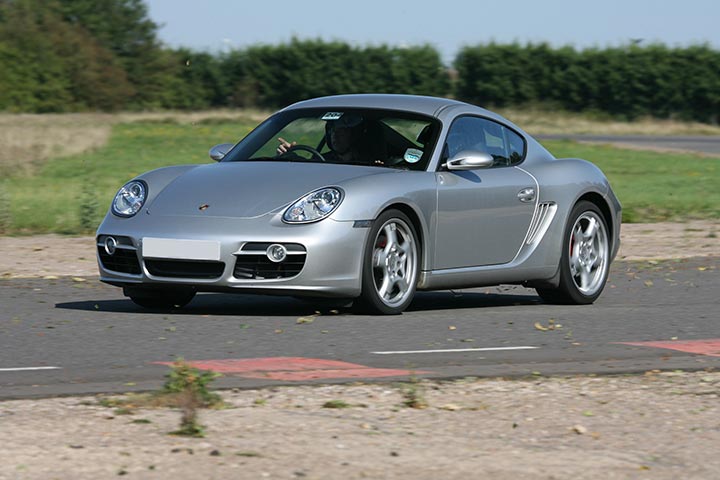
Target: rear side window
pixel 516 147
pixel 474 133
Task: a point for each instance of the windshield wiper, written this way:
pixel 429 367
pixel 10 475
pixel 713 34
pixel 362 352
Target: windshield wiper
pixel 260 159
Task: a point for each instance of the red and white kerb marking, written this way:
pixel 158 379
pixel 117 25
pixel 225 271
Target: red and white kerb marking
pixel 294 369
pixel 708 346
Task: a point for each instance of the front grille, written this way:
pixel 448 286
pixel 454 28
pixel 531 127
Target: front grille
pixel 123 260
pixel 184 268
pixel 252 262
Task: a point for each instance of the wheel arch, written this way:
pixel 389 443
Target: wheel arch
pixel 416 223
pixel 369 300
pixel 599 201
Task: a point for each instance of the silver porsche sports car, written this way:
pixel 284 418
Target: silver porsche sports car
pixel 370 197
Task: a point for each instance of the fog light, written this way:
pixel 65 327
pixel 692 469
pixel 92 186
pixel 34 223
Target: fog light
pixel 276 253
pixel 110 245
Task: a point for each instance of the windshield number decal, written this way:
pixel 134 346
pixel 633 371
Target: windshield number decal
pixel 332 116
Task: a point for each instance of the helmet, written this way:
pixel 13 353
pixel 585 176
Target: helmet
pixel 351 120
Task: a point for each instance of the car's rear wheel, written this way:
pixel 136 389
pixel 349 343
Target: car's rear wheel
pixel 159 298
pixel 585 258
pixel 390 265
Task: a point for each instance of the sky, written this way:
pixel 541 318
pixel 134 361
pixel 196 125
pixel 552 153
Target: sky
pixel 448 25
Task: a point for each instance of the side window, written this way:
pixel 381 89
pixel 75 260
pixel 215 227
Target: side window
pixel 495 141
pixel 480 134
pixel 466 133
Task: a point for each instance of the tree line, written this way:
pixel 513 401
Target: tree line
pixel 104 55
pixel 628 82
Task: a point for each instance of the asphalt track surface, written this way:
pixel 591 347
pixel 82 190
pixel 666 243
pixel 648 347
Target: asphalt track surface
pixel 63 336
pixel 709 145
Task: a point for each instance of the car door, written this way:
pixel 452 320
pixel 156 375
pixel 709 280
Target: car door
pixel 484 214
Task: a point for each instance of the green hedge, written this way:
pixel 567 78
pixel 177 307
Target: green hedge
pixel 625 82
pixel 63 55
pixel 276 75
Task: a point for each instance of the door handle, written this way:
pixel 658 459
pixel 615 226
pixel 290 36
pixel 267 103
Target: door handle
pixel 526 195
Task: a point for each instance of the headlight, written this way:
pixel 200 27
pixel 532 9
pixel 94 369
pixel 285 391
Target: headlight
pixel 314 206
pixel 130 199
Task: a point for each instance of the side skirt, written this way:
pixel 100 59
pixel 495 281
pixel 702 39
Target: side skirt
pixel 471 277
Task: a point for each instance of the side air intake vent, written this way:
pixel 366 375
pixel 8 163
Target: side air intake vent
pixel 541 221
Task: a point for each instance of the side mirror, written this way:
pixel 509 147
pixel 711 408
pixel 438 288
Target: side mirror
pixel 470 160
pixel 218 152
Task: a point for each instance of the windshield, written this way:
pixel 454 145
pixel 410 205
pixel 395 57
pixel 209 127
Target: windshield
pixel 381 138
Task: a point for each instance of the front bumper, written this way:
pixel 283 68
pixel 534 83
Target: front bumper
pixel 332 261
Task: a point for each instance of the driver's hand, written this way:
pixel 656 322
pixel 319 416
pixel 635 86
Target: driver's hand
pixel 284 145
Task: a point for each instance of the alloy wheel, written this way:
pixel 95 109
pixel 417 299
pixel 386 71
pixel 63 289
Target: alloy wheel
pixel 394 262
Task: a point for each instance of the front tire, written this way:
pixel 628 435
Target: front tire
pixel 157 299
pixel 390 265
pixel 585 259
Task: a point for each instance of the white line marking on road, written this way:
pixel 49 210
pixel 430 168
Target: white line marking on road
pixel 24 369
pixel 451 350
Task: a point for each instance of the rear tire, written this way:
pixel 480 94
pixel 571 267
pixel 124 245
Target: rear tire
pixel 159 299
pixel 390 265
pixel 585 258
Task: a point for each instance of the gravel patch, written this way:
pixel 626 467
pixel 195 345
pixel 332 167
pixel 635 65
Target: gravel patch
pixel 657 425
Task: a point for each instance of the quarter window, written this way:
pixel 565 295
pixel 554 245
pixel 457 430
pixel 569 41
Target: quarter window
pixel 516 146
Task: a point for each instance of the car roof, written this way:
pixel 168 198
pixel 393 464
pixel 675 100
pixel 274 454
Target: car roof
pixel 414 103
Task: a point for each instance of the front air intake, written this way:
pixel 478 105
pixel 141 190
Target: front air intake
pixel 184 268
pixel 253 263
pixel 121 258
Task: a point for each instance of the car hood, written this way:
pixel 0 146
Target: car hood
pixel 248 189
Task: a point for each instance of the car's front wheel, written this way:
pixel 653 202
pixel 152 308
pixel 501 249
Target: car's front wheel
pixel 159 299
pixel 390 264
pixel 585 258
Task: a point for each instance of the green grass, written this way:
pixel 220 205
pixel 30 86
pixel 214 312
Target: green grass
pixel 654 186
pixel 68 192
pixel 53 198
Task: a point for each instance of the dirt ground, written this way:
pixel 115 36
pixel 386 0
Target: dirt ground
pixel 655 426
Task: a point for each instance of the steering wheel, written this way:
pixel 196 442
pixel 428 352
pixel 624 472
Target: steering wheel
pixel 307 148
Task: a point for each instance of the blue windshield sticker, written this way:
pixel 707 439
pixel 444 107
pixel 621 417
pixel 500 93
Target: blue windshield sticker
pixel 412 155
pixel 332 116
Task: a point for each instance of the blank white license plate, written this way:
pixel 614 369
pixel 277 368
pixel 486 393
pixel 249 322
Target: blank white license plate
pixel 180 249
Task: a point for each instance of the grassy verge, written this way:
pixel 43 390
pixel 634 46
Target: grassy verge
pixel 66 193
pixel 654 186
pixel 70 194
pixel 27 141
pixel 537 121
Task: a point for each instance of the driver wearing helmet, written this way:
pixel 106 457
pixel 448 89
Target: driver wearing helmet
pixel 343 136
